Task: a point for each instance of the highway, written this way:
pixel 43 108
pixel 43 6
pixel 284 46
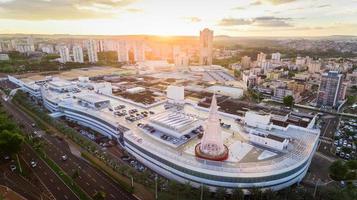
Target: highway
pixel 43 172
pixel 90 179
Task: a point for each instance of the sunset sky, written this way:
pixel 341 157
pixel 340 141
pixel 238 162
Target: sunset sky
pixel 180 17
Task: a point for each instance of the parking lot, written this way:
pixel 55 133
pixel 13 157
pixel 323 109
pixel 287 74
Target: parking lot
pixel 346 139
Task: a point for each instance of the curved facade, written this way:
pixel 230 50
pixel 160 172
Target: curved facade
pixel 286 167
pixel 219 177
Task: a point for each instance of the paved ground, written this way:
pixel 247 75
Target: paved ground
pixel 47 176
pixel 328 129
pixel 17 183
pixel 90 179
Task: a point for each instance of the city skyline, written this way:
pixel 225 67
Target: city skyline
pixel 166 18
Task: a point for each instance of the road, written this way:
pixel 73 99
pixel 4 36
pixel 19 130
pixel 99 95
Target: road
pixel 43 172
pixel 327 134
pixel 90 179
pixel 49 178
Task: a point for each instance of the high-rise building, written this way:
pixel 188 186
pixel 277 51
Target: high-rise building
pixel 122 50
pixel 330 89
pixel 47 49
pixel 275 57
pixel 261 57
pixel 64 53
pixel 139 52
pixel 92 51
pixel 206 47
pixel 78 54
pixel 181 60
pixel 100 45
pixel 314 67
pixel 30 43
pixel 245 61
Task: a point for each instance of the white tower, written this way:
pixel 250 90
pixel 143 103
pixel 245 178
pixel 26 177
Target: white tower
pixel 211 146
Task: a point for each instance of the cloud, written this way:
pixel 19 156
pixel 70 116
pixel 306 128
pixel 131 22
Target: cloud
pixel 193 19
pixel 60 9
pixel 323 6
pixel 134 10
pixel 278 2
pixel 266 21
pixel 255 3
pixel 234 22
pixel 272 22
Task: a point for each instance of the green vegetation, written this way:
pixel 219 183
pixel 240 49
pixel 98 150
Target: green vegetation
pixel 288 101
pixel 252 96
pixel 343 171
pixel 10 135
pixel 100 195
pixel 237 73
pixel 226 62
pixel 109 58
pixel 351 100
pixel 293 53
pixel 19 63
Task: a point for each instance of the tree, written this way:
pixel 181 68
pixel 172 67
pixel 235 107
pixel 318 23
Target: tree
pixel 10 141
pixel 237 194
pixel 352 164
pixel 288 101
pixel 206 191
pixel 75 174
pixel 221 193
pixel 99 195
pixel 256 193
pixel 270 194
pixel 338 170
pixel 174 188
pixel 237 73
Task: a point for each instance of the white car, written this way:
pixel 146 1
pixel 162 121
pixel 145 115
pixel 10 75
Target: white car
pixel 33 164
pixel 12 167
pixel 64 157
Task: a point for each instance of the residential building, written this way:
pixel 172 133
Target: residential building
pixel 78 54
pixel 245 62
pixel 206 47
pixel 122 50
pixel 314 67
pixel 64 54
pixel 4 57
pixel 275 57
pixel 330 90
pixel 92 51
pixel 261 57
pixel 47 49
